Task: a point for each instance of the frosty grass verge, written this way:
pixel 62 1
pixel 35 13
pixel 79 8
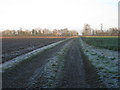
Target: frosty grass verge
pixel 19 59
pixel 106 63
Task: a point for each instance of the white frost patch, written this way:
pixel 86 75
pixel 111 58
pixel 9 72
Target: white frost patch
pixel 18 59
pixel 106 63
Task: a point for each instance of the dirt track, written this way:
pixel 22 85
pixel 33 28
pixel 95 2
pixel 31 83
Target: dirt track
pixel 75 71
pixel 78 72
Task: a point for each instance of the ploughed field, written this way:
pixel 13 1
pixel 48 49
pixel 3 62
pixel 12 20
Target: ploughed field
pixel 13 47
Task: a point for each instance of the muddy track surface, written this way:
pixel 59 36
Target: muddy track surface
pixel 74 73
pixel 78 72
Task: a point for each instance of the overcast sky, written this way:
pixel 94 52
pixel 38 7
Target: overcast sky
pixel 72 14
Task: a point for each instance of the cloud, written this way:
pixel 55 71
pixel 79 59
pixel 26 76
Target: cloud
pixel 57 13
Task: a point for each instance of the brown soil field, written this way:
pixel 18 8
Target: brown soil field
pixel 13 47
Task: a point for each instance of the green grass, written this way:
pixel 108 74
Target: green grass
pixel 111 43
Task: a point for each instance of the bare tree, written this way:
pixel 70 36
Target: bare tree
pixel 86 30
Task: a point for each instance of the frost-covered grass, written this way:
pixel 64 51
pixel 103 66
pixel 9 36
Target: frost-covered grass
pixel 106 63
pixel 26 56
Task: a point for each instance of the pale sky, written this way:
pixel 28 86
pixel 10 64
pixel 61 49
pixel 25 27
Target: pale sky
pixel 71 14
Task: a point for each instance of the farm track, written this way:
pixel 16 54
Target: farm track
pixel 74 73
pixel 77 73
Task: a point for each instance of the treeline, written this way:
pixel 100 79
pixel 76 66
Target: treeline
pixel 87 30
pixel 40 32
